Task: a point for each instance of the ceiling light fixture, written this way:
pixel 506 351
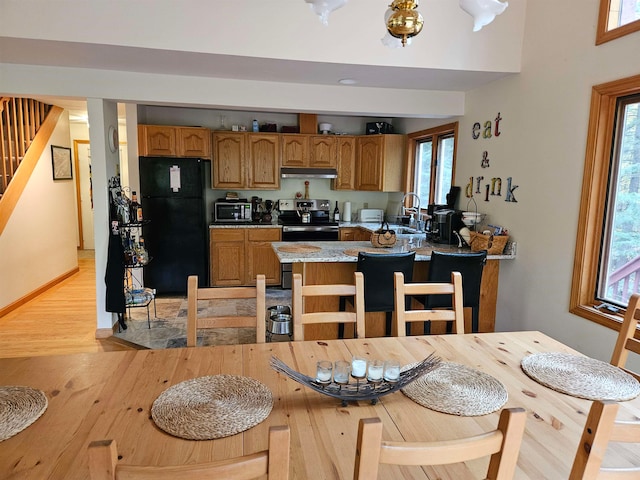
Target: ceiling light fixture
pixel 323 8
pixel 483 11
pixel 403 21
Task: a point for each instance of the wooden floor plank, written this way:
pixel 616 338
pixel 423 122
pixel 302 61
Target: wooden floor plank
pixel 59 321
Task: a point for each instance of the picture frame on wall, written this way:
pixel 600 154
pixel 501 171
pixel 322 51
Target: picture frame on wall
pixel 61 161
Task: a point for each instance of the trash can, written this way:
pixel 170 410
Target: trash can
pixel 279 321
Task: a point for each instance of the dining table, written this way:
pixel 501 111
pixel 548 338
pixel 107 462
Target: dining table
pixel 109 395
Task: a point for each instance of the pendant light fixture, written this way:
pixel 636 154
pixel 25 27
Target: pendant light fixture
pixel 404 21
pixel 323 8
pixel 483 11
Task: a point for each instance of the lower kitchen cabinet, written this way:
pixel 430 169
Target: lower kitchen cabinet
pixel 239 254
pixel 354 234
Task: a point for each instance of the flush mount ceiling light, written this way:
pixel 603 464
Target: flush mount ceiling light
pixel 403 21
pixel 323 8
pixel 483 11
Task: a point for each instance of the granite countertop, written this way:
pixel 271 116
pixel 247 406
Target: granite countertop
pixel 336 252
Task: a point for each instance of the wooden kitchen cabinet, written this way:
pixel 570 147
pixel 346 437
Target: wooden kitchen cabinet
pixel 261 259
pixel 157 140
pixel 308 151
pixel 346 164
pixel 263 155
pixel 379 162
pixel 354 234
pixel 194 142
pixel 239 254
pixel 246 160
pixel 227 253
pixel 171 141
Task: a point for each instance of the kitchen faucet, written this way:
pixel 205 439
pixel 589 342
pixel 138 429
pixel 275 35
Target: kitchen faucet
pixel 412 210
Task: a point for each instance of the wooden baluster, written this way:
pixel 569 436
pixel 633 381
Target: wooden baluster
pixel 25 122
pixel 21 140
pixel 3 148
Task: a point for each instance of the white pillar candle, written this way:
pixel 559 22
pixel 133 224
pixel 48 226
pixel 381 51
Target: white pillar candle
pixel 323 371
pixel 374 373
pixel 358 367
pixel 391 370
pixel 341 371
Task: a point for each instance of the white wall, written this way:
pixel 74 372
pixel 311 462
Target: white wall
pixel 545 112
pixel 39 242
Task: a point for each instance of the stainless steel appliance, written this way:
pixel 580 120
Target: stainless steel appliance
pixel 445 225
pixel 305 220
pixel 226 211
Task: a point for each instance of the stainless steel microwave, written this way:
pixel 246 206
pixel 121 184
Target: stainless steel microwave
pixel 232 212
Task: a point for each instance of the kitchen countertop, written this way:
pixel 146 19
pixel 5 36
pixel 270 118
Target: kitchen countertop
pixel 245 225
pixel 334 252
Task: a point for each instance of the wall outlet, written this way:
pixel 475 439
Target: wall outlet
pixel 366 205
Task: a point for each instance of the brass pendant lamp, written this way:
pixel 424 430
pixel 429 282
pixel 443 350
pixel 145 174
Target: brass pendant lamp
pixel 405 21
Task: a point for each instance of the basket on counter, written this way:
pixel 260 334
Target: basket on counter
pixel 493 244
pixel 384 237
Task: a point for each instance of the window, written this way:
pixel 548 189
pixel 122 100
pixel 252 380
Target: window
pixel 432 163
pixel 617 18
pixel 607 261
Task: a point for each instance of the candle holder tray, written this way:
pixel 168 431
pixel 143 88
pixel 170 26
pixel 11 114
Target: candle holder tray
pixel 362 389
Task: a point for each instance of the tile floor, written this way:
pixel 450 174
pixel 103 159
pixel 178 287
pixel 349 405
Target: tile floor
pixel 169 322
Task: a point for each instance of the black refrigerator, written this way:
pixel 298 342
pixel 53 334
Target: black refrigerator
pixel 172 192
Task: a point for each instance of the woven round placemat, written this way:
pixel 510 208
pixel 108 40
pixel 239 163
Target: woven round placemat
pixel 211 407
pixel 299 248
pixel 353 252
pixel 581 377
pixel 458 390
pixel 19 408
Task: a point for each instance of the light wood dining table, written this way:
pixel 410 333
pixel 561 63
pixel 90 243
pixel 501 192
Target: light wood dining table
pixel 109 396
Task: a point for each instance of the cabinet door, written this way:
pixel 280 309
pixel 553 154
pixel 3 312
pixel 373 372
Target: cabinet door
pixel 159 141
pixel 362 235
pixel 227 169
pixel 369 163
pixel 261 259
pixel 346 164
pixel 227 248
pixel 347 234
pixel 264 161
pixel 323 151
pixel 194 142
pixel 295 150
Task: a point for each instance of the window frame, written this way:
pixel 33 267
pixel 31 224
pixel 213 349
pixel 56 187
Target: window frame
pixel 604 35
pixel 593 204
pixel 434 134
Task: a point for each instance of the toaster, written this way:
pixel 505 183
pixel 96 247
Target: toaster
pixel 370 215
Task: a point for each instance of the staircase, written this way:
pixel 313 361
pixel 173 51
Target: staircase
pixel 20 119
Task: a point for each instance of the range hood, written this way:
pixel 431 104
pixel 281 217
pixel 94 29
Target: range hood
pixel 299 172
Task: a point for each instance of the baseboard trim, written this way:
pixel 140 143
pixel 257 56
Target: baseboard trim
pixel 102 333
pixel 40 290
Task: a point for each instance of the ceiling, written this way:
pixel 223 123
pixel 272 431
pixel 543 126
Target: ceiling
pixel 144 60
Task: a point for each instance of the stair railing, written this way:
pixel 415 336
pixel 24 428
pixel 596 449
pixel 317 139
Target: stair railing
pixel 20 119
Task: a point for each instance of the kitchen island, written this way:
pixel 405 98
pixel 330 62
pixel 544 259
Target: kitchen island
pixel 334 262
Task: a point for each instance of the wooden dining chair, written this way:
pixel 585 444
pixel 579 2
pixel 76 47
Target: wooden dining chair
pixel 195 294
pixel 503 444
pixel 600 429
pixel 453 289
pixel 274 462
pixel 626 341
pixel 301 292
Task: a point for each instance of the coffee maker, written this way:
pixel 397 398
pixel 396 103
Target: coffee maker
pixel 444 223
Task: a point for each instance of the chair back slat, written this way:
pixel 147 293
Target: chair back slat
pixel 626 341
pixel 195 294
pixel 503 444
pixel 453 290
pixel 300 318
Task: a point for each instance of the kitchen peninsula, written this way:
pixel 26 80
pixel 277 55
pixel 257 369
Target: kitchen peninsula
pixel 335 262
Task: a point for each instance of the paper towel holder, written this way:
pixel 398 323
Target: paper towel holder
pixel 347 212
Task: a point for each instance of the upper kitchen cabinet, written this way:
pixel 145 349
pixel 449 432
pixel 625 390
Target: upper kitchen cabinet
pixel 379 162
pixel 312 151
pixel 264 161
pixel 346 163
pixel 295 150
pixel 169 141
pixel 322 151
pixel 260 152
pixel 194 142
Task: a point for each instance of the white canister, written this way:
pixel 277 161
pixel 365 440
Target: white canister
pixel 346 212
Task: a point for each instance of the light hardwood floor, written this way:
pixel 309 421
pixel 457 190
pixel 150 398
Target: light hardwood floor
pixel 61 320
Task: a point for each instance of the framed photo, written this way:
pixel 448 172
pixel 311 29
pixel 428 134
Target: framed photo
pixel 61 161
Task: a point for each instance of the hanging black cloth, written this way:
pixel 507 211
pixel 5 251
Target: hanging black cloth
pixel 115 301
